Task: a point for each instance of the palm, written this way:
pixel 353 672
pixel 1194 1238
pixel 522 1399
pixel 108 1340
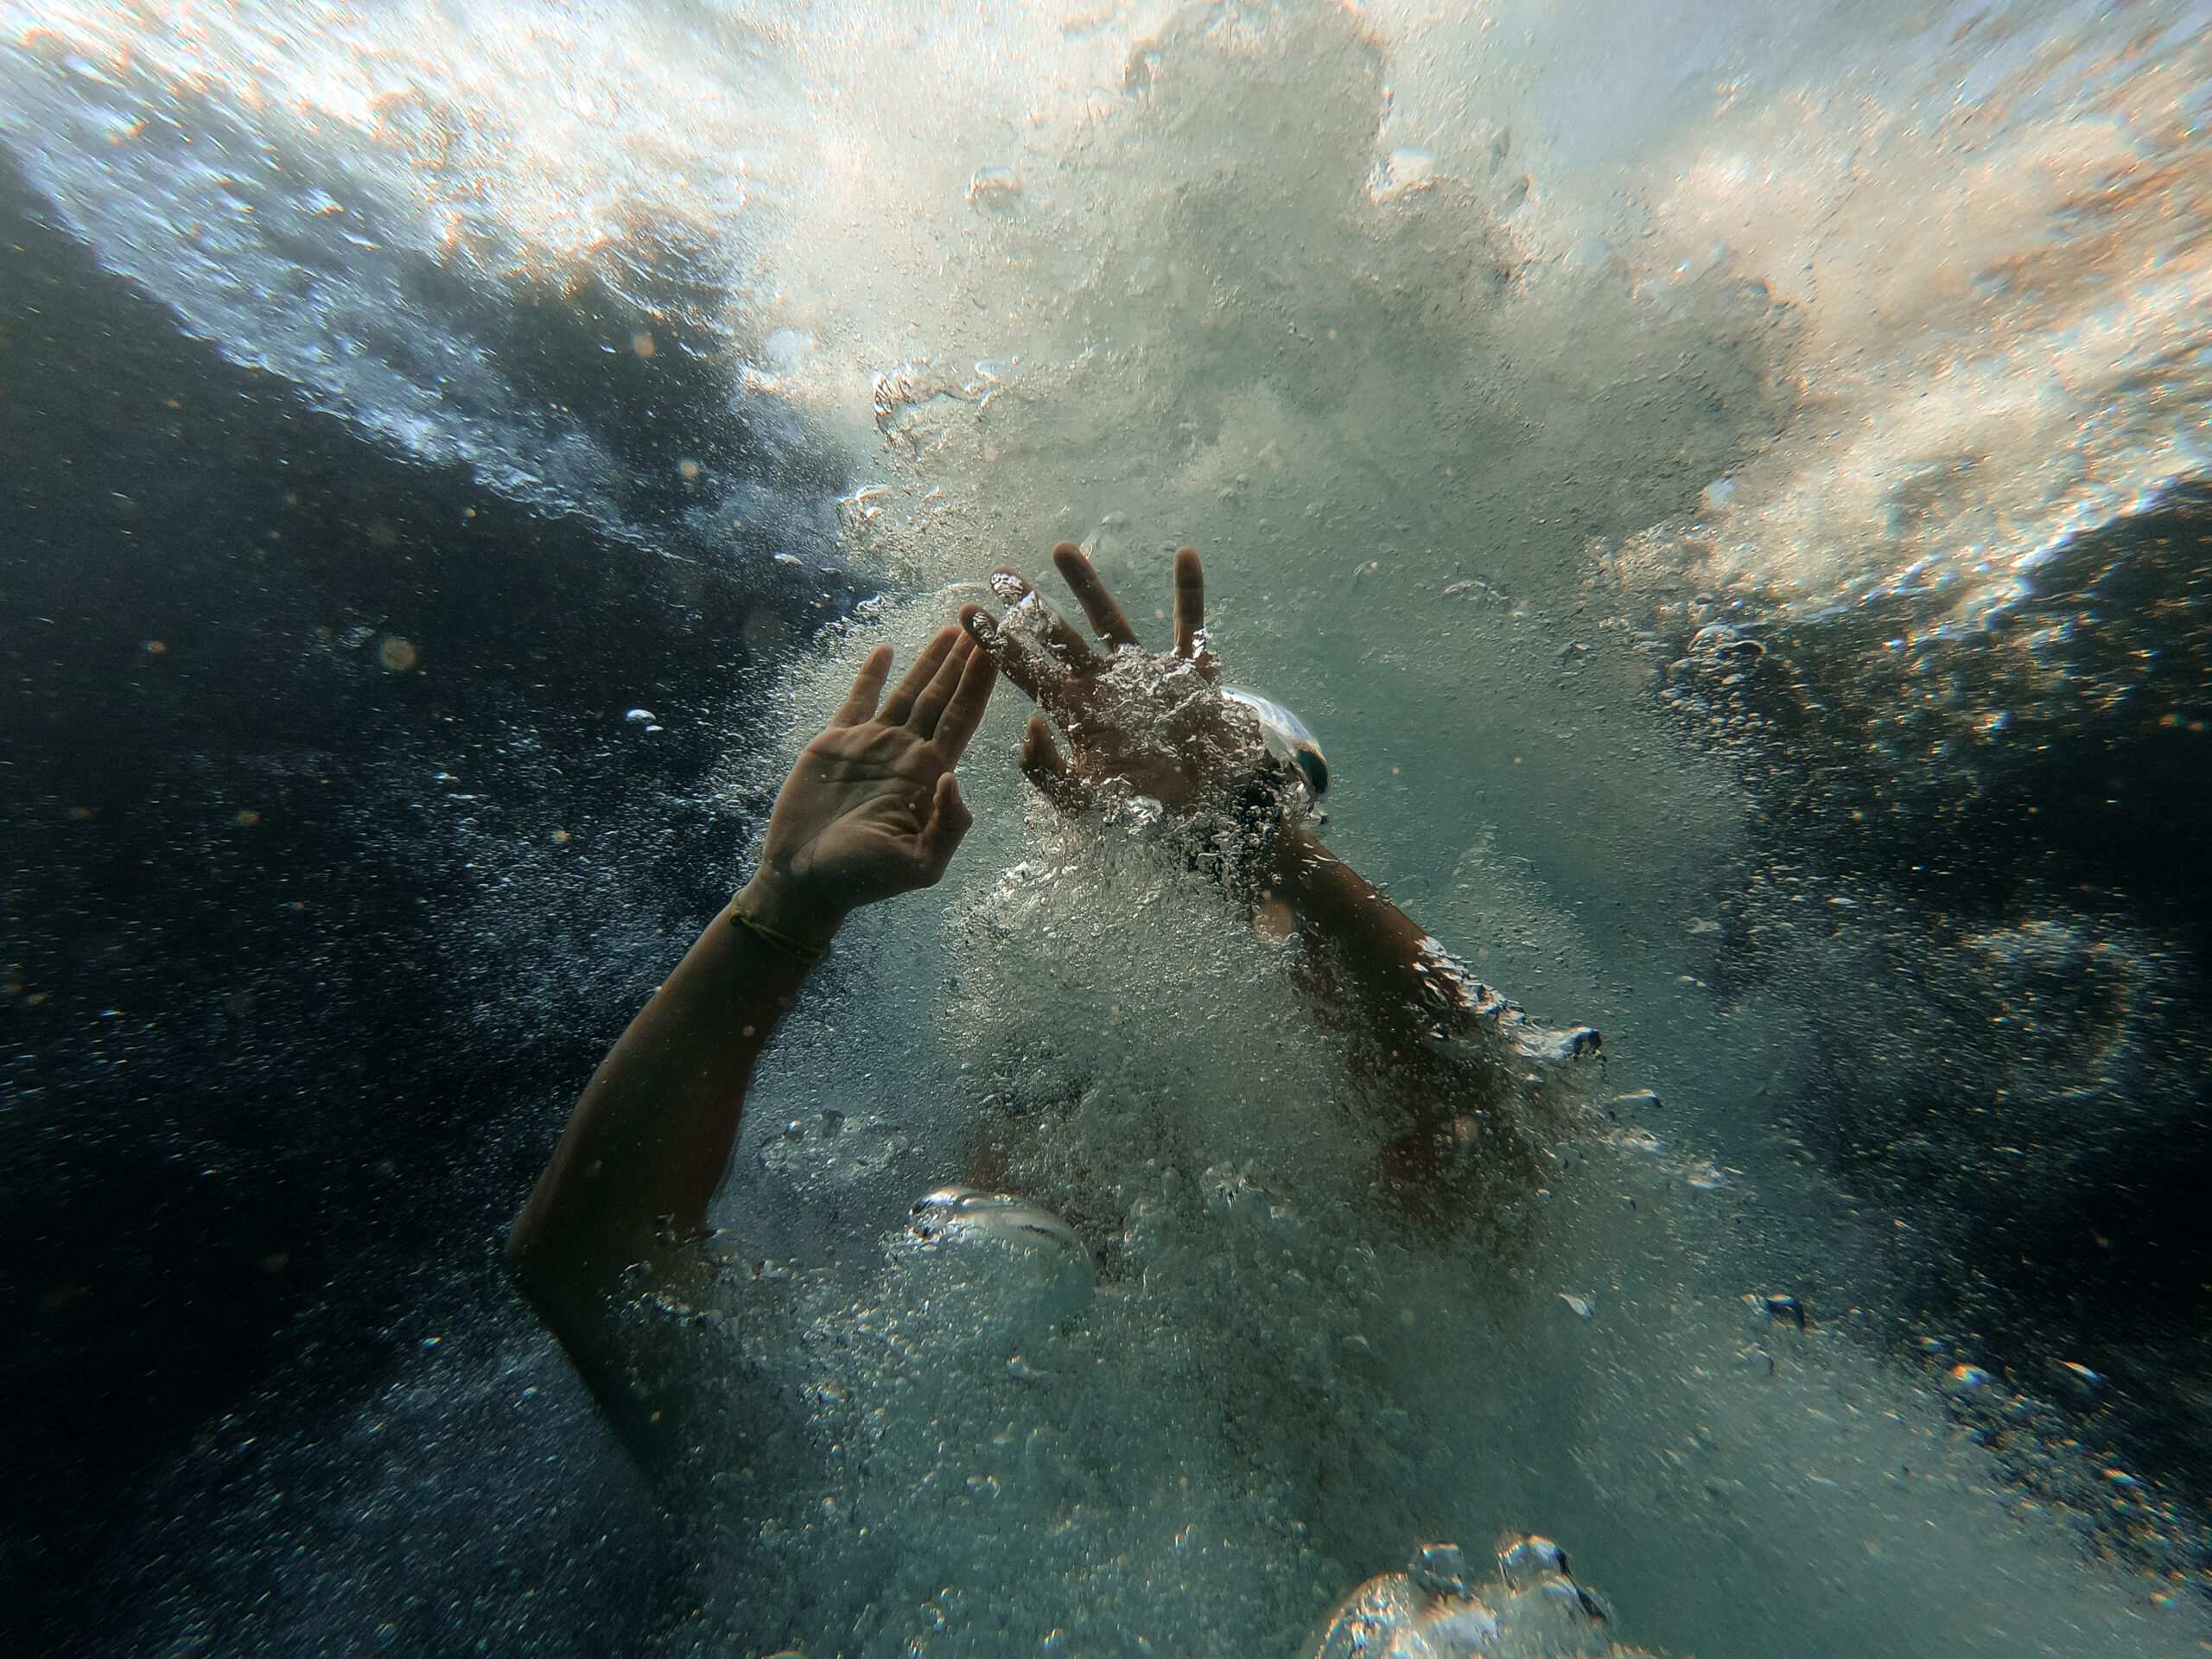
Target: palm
pixel 871 809
pixel 862 818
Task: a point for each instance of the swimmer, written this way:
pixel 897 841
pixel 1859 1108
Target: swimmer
pixel 1163 724
pixel 872 810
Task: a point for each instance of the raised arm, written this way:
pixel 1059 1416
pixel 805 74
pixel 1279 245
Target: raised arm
pixel 1160 724
pixel 871 809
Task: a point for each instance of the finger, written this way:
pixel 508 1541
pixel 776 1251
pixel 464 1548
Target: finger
pixel 901 703
pixel 1106 618
pixel 965 712
pixel 1190 601
pixel 1043 765
pixel 930 706
pixel 950 820
pixel 1013 589
pixel 1015 657
pixel 867 686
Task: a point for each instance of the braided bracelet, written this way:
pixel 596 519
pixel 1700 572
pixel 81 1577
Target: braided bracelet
pixel 783 942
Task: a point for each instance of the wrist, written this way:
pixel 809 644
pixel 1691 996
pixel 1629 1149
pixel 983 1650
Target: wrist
pixel 798 917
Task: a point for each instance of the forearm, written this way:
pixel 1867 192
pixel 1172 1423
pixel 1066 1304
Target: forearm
pixel 1373 950
pixel 649 1141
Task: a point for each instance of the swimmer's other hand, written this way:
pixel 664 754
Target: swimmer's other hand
pixel 1156 719
pixel 872 809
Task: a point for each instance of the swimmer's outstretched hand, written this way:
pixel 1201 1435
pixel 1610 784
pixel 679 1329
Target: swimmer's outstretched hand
pixel 1154 718
pixel 871 809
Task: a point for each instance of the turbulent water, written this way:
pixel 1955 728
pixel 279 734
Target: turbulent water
pixel 1724 483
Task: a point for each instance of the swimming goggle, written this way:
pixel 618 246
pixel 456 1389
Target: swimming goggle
pixel 1288 739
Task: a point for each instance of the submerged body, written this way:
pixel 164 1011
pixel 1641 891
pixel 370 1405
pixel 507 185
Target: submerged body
pixel 985 1315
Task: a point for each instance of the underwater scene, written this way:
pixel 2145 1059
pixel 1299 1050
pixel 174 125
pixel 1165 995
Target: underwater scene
pixel 1579 1027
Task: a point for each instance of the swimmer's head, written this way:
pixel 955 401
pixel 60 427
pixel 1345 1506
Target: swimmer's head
pixel 992 1271
pixel 958 1214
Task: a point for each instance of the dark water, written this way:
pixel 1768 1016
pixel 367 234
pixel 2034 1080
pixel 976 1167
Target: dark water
pixel 2005 967
pixel 297 968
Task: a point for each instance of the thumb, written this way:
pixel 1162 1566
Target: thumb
pixel 1045 766
pixel 950 820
